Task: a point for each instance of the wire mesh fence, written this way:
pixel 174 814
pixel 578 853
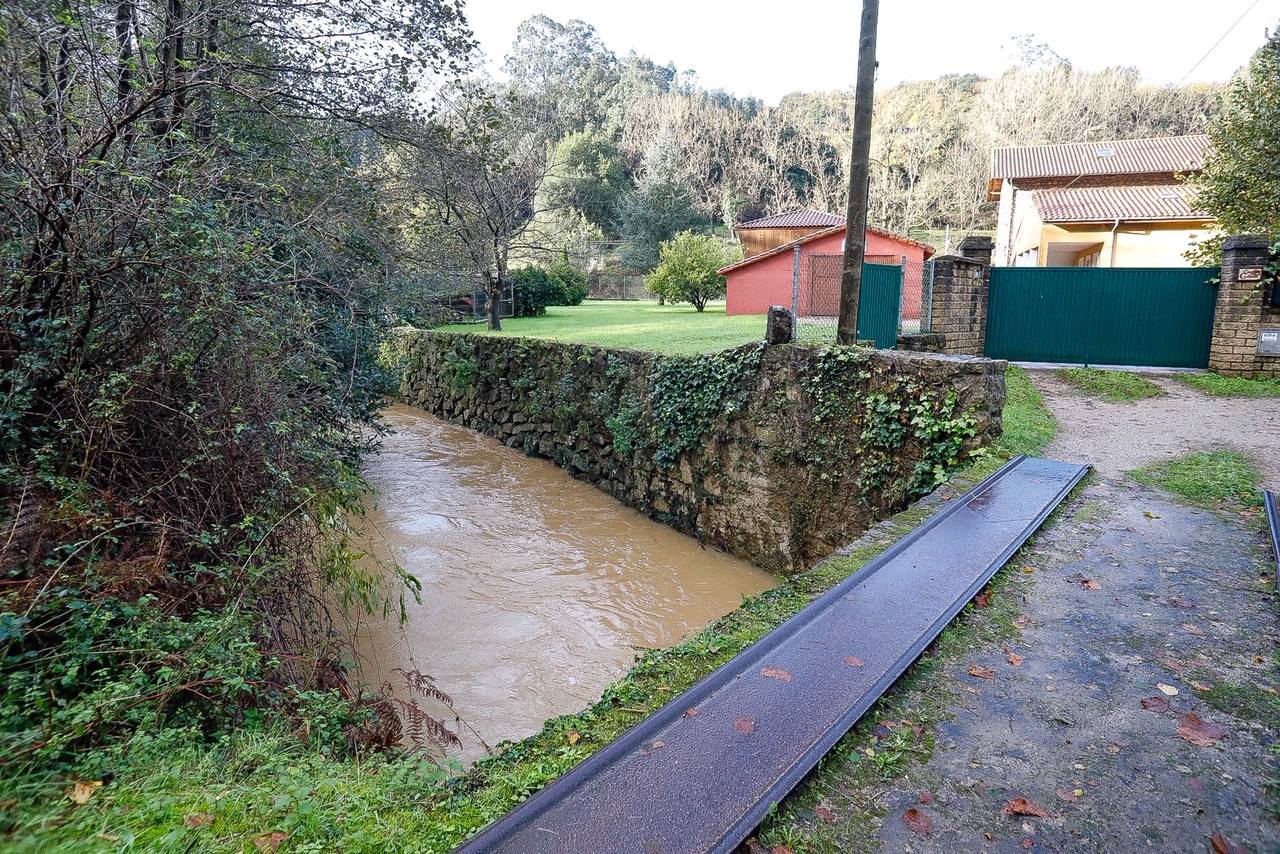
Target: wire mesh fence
pixel 816 295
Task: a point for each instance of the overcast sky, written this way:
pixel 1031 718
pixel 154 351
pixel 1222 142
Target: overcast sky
pixel 767 49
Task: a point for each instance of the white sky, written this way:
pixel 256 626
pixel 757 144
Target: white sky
pixel 767 49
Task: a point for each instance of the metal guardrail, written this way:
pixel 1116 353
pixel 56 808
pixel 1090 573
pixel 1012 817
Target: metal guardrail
pixel 702 772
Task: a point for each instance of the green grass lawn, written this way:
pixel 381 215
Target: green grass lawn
pixel 1028 423
pixel 1220 386
pixel 1207 478
pixel 1120 386
pixel 639 325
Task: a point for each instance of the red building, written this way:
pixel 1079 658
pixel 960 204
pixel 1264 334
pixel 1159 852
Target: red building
pixel 764 277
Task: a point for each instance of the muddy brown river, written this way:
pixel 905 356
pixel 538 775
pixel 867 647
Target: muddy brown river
pixel 537 589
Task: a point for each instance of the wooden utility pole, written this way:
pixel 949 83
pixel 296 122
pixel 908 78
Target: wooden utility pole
pixel 859 178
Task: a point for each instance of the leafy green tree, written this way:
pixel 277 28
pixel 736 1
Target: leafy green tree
pixel 658 208
pixel 1240 184
pixel 591 178
pixel 688 271
pixel 566 68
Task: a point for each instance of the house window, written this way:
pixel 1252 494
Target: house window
pixel 1090 259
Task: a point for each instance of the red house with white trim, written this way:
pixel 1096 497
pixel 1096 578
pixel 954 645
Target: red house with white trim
pixel 764 277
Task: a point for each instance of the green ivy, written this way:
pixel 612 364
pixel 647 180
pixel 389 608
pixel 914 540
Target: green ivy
pixel 688 394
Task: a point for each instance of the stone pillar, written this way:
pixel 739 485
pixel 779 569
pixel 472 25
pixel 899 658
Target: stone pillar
pixel 958 308
pixel 1244 310
pixel 977 248
pixel 779 326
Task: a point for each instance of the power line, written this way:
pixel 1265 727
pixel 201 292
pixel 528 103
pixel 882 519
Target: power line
pixel 1219 41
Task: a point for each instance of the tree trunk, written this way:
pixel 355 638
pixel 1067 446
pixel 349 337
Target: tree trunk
pixel 493 302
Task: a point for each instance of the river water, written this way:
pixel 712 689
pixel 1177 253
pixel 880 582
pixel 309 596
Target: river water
pixel 537 589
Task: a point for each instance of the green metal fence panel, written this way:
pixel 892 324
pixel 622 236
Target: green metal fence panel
pixel 1156 317
pixel 880 304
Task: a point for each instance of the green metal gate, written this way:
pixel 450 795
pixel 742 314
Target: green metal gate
pixel 1157 317
pixel 880 305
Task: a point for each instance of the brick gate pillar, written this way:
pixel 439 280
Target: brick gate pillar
pixel 1244 312
pixel 958 303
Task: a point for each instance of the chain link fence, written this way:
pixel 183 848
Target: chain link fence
pixel 815 302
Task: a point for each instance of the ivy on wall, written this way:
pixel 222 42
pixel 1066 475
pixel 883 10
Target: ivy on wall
pixel 772 453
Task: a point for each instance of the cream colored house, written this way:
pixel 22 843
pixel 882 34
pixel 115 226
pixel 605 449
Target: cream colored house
pixel 1117 203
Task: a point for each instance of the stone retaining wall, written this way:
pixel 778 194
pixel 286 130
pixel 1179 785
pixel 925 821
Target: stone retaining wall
pixel 778 454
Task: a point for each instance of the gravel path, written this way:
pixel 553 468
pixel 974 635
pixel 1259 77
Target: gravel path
pixel 1118 437
pixel 1139 613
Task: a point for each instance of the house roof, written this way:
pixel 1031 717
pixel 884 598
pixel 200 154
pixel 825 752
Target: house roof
pixel 807 218
pixel 1096 204
pixel 1106 157
pixel 835 229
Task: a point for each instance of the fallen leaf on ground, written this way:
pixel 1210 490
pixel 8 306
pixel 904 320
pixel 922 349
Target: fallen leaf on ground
pixel 691 712
pixel 1067 795
pixel 269 841
pixel 776 673
pixel 1028 569
pixel 82 790
pixel 1083 580
pixel 655 744
pixel 853 661
pixel 780 849
pixel 1012 657
pixel 1192 630
pixel 200 819
pixel 1022 622
pixel 1150 515
pixel 1178 602
pixel 1167 689
pixel 1200 686
pixel 1022 806
pixel 981 672
pixel 744 725
pixel 918 821
pixel 1155 703
pixel 1268 689
pixel 825 813
pixel 926 797
pixel 983 599
pixel 1193 728
pixel 1222 845
pixel 574 737
pixel 1090 584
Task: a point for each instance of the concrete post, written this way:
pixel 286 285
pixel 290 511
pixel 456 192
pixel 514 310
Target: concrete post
pixel 1244 318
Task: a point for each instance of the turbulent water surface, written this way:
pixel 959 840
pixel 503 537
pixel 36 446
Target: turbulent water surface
pixel 537 589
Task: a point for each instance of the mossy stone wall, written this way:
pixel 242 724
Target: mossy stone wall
pixel 779 455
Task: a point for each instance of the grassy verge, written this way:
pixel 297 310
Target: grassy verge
pixel 1121 386
pixel 638 325
pixel 1220 386
pixel 1206 478
pixel 1028 423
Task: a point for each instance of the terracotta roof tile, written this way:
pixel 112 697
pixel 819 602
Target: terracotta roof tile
pixel 795 219
pixel 1107 157
pixel 1096 204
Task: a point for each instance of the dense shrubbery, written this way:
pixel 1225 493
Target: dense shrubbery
pixel 533 288
pixel 192 284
